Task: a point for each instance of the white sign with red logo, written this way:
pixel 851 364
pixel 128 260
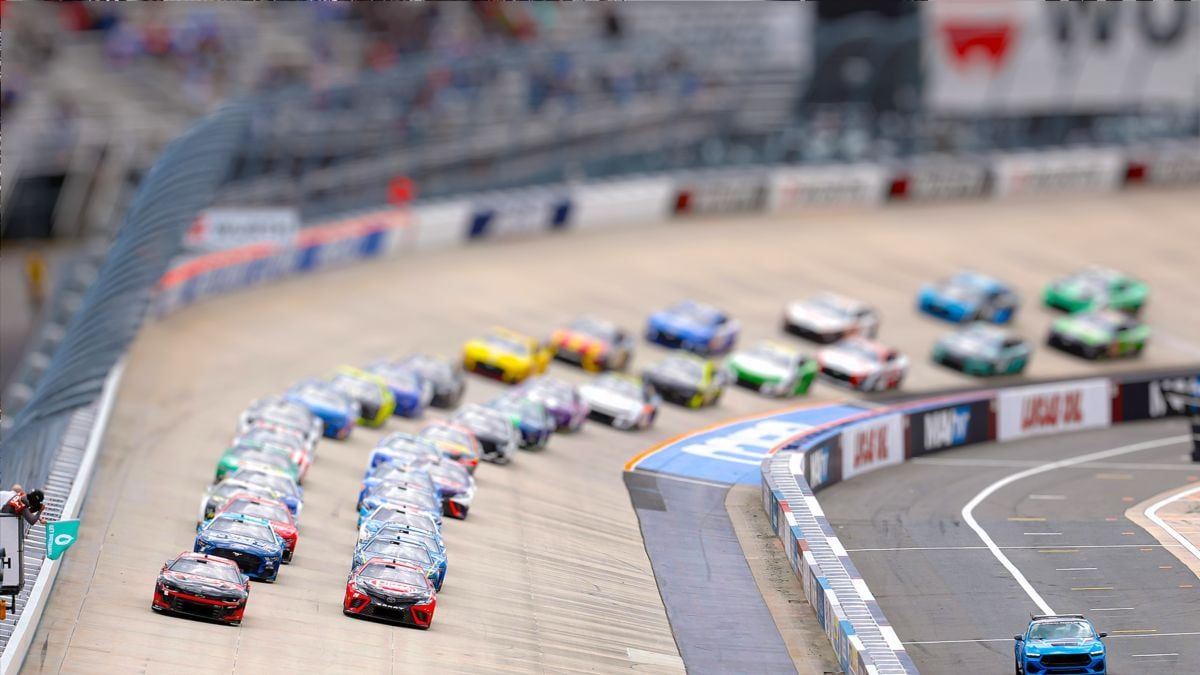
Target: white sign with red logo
pixel 1052 172
pixel 1014 56
pixel 863 184
pixel 218 229
pixel 872 445
pixel 1052 408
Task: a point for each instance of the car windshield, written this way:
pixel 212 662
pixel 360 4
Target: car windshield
pixel 266 434
pixel 283 417
pixel 358 388
pixel 388 471
pixel 248 456
pixel 860 349
pixel 832 305
pixel 204 568
pixel 620 385
pixel 242 528
pixel 319 395
pixel 529 411
pixel 593 328
pixel 506 343
pixel 393 574
pixel 450 473
pixel 683 368
pixel 489 421
pixel 225 489
pixel 981 339
pixel 697 313
pixel 442 432
pixel 1060 630
pixel 406 495
pixel 547 389
pixel 280 484
pixel 266 511
pixel 1099 321
pixel 773 354
pixel 399 550
pixel 416 533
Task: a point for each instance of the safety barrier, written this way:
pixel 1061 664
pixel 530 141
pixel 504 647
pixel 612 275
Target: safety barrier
pixel 822 456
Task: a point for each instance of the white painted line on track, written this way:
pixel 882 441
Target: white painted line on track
pixel 1152 514
pixel 1020 463
pixel 1074 569
pixel 1043 534
pixel 1148 656
pixel 1110 609
pixel 1009 548
pixel 1048 497
pixel 968 511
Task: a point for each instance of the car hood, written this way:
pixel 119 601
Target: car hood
pixel 759 366
pixel 236 542
pixel 816 317
pixel 599 397
pixel 846 361
pixel 1081 330
pixel 192 583
pixel 1065 645
pixel 392 589
pixel 956 343
pixel 673 323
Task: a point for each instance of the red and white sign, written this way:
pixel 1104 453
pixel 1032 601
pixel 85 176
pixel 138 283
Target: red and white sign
pixel 219 229
pixel 1052 172
pixel 1019 57
pixel 872 445
pixel 1052 408
pixel 863 184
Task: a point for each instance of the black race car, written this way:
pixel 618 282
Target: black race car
pixel 447 378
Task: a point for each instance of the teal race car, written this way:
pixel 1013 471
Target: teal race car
pixel 1096 288
pixel 772 369
pixel 982 349
pixel 1104 333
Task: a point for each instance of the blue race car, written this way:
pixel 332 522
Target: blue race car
pixel 694 327
pixel 969 296
pixel 403 549
pixel 1060 643
pixel 408 494
pixel 411 391
pixel 432 542
pixel 405 449
pixel 533 424
pixel 411 516
pixel 392 472
pixel 338 412
pixel 248 541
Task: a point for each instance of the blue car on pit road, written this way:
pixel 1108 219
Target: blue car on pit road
pixel 1060 643
pixel 694 327
pixel 248 541
pixel 969 296
pixel 338 412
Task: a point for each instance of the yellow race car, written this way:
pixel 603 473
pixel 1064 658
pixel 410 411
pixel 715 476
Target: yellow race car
pixel 374 397
pixel 506 355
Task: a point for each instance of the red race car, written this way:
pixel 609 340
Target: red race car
pixel 390 590
pixel 270 510
pixel 593 344
pixel 203 586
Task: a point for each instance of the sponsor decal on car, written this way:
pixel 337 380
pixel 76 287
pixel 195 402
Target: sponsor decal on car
pixel 1069 406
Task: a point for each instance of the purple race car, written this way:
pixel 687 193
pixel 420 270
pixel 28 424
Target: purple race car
pixel 561 399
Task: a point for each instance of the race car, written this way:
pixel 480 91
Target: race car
pixel 1104 333
pixel 278 411
pixel 274 512
pixel 623 401
pixel 216 495
pixel 561 400
pixel 772 369
pixel 391 591
pixel 406 448
pixel 403 550
pixel 415 473
pixel 982 349
pixel 1096 288
pixel 279 438
pixel 687 380
pixel 533 424
pixel 281 485
pixel 1060 643
pixel 397 513
pixel 456 487
pixel 410 390
pixel 400 492
pixel 337 411
pixel 828 317
pixel 969 296
pixel 694 327
pixel 457 443
pixel 430 540
pixel 863 364
pixel 494 430
pixel 248 541
pixel 592 344
pixel 445 377
pixel 371 392
pixel 506 355
pixel 204 586
pixel 245 454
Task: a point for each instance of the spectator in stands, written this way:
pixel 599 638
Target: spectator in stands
pixel 29 506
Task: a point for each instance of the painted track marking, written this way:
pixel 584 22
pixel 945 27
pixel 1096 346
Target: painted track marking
pixel 1152 514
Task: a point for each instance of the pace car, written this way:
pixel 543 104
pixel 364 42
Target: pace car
pixel 1105 333
pixel 694 327
pixel 969 296
pixel 401 493
pixel 248 541
pixel 457 443
pixel 982 349
pixel 592 344
pixel 828 317
pixel 278 411
pixel 203 586
pixel 863 364
pixel 405 447
pixel 338 412
pixel 270 510
pixel 375 401
pixel 772 369
pixel 1060 643
pixel 391 591
pixel 533 424
pixel 1096 288
pixel 410 390
pixel 561 399
pixel 245 454
pixel 623 401
pixel 506 355
pixel 494 430
pixel 281 486
pixel 456 487
pixel 445 377
pixel 401 549
pixel 397 513
pixel 688 380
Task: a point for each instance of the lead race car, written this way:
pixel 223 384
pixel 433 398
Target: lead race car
pixel 202 586
pixel 828 317
pixel 863 364
pixel 623 401
pixel 772 369
pixel 695 327
pixel 592 344
pixel 1060 643
pixel 969 296
pixel 506 355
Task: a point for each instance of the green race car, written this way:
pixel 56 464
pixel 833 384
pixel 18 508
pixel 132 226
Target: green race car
pixel 245 454
pixel 772 369
pixel 1096 288
pixel 1102 333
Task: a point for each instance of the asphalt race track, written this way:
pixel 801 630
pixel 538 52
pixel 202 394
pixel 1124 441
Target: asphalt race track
pixel 549 573
pixel 957 608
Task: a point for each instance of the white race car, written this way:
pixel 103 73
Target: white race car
pixel 623 401
pixel 829 317
pixel 863 364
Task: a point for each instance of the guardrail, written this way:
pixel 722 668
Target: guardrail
pixel 817 458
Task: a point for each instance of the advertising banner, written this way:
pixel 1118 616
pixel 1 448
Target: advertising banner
pixel 948 427
pixel 824 462
pixel 219 229
pixel 523 214
pixel 721 193
pixel 1036 173
pixel 872 444
pixel 12 576
pixel 1015 57
pixel 939 179
pixel 854 184
pixel 1152 398
pixel 1052 408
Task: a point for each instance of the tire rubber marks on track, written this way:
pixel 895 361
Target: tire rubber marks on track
pixel 968 511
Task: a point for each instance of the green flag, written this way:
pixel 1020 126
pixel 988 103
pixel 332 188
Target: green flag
pixel 60 534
